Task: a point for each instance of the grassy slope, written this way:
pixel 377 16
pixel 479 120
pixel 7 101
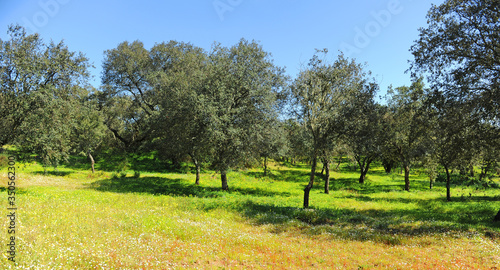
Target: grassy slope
pixel 73 219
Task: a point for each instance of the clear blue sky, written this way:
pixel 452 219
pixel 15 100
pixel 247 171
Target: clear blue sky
pixel 378 32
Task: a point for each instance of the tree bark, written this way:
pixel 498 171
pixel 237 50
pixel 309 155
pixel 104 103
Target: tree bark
pixel 387 166
pixel 448 184
pixel 338 164
pixel 471 168
pixel 265 166
pixel 92 162
pixel 311 182
pixel 363 167
pixel 223 178
pixel 198 171
pixel 407 177
pixel 362 177
pixel 326 167
pixel 198 168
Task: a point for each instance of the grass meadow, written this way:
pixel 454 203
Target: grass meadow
pixel 73 219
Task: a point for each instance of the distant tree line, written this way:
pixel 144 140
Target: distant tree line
pixel 230 106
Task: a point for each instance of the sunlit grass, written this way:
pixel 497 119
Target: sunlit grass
pixel 72 219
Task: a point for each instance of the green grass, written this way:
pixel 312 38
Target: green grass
pixel 72 219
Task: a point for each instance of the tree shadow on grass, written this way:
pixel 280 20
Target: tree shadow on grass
pixel 352 183
pixel 173 187
pixel 78 163
pixel 53 173
pixel 282 175
pixel 389 227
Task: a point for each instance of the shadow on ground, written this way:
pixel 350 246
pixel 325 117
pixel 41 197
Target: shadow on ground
pixel 425 217
pixel 53 173
pixel 173 187
pixel 389 227
pixel 283 175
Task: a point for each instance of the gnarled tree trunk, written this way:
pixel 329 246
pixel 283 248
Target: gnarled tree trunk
pixel 223 178
pixel 364 166
pixel 92 162
pixel 198 168
pixel 265 166
pixel 310 184
pixel 407 177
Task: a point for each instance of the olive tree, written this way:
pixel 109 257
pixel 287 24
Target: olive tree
pixel 128 99
pixel 240 93
pixel 40 87
pixel 319 94
pixel 408 125
pixel 459 50
pixel 182 127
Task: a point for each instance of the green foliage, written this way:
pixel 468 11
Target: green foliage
pixel 458 49
pixel 42 85
pixel 407 125
pixel 240 95
pixel 321 96
pixel 127 99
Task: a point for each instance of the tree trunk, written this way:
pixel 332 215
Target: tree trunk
pixel 471 168
pixel 363 167
pixel 431 183
pixel 265 166
pixel 448 184
pixel 197 165
pixel 327 176
pixel 362 177
pixel 387 166
pixel 92 162
pixel 311 182
pixel 198 172
pixel 407 177
pixel 338 164
pixel 223 178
